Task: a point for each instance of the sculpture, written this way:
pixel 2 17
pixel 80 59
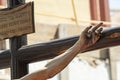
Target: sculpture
pixel 88 38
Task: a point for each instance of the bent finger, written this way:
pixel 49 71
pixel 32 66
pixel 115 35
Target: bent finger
pixel 87 29
pixel 99 30
pixel 89 34
pixel 96 27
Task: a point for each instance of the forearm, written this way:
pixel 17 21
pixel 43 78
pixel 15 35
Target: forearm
pixel 60 62
pixel 88 38
pixel 38 75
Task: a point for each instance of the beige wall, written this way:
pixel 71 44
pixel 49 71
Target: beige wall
pixel 50 13
pixel 60 11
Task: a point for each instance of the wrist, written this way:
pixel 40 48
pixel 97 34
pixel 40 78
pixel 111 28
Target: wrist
pixel 78 46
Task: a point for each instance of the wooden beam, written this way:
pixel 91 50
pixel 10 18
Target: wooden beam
pixel 48 50
pixel 18 68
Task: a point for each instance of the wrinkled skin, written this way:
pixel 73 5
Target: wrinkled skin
pixel 88 38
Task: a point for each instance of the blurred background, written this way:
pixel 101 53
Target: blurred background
pixel 55 19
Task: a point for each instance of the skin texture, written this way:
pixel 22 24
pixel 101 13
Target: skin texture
pixel 88 38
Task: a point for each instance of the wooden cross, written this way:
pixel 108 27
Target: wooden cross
pixel 19 57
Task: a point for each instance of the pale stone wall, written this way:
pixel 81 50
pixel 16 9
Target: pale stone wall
pixel 60 11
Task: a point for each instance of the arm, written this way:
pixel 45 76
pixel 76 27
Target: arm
pixel 88 38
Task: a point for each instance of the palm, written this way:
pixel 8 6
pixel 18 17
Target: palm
pixel 90 36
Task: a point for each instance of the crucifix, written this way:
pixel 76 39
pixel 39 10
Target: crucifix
pixel 19 57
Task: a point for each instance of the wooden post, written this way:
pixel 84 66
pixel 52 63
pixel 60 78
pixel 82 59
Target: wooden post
pixel 18 69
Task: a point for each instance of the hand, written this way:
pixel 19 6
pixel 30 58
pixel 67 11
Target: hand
pixel 90 36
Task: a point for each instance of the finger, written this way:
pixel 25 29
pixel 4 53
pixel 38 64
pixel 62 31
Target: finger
pixel 99 30
pixel 95 38
pixel 96 27
pixel 87 29
pixel 89 34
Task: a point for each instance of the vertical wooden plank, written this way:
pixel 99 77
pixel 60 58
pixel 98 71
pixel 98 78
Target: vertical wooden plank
pixel 18 68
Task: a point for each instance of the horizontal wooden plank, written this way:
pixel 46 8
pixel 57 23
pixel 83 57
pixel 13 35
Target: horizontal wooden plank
pixel 48 50
pixel 17 21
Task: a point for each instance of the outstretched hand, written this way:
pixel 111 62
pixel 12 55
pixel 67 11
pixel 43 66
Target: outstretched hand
pixel 90 36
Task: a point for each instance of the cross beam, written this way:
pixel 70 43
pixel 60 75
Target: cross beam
pixel 48 50
pixel 19 57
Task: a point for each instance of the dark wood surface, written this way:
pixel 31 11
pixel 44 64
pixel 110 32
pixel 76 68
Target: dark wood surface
pixel 48 50
pixel 18 68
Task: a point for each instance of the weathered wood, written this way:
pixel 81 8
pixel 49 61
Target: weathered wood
pixel 47 50
pixel 18 68
pixel 5 59
pixel 17 21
